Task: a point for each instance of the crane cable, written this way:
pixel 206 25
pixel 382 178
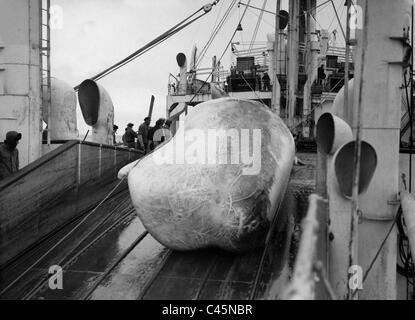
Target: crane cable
pixel 215 32
pixel 257 26
pixel 223 53
pixel 181 25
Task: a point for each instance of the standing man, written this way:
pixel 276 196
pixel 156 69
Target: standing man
pixel 130 135
pixel 156 134
pixel 114 133
pixel 143 134
pixel 9 155
pixel 266 82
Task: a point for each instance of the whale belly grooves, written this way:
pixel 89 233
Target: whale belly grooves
pixel 196 204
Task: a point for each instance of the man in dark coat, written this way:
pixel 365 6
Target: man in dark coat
pixel 143 131
pixel 9 155
pixel 130 135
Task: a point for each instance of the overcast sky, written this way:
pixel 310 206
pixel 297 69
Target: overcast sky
pixel 97 33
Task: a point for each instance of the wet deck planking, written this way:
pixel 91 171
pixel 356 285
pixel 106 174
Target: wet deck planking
pixel 112 210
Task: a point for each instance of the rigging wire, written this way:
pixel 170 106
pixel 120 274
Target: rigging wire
pixel 259 98
pixel 257 25
pixel 115 187
pixel 372 263
pixel 273 13
pixel 314 18
pixel 116 66
pixel 215 32
pixel 338 19
pixel 219 12
pixel 352 246
pixel 312 9
pixel 263 10
pixel 216 29
pixel 149 48
pixel 181 25
pixel 334 17
pixel 220 58
pixel 119 65
pixel 240 33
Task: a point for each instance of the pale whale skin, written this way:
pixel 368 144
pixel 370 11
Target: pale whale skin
pixel 190 206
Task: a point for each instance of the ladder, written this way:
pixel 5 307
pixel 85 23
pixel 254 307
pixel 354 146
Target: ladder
pixel 45 78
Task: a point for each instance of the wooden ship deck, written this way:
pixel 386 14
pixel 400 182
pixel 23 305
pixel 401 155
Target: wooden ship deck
pixel 110 255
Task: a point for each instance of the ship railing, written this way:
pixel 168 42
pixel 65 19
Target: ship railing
pixel 250 53
pixel 309 280
pixel 55 189
pixel 340 52
pixel 260 55
pixel 196 86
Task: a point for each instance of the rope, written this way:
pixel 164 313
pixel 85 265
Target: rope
pixel 376 255
pixel 150 45
pixel 338 19
pixel 215 32
pixel 223 53
pixel 312 9
pixel 257 26
pixel 356 162
pixel 142 51
pixel 252 89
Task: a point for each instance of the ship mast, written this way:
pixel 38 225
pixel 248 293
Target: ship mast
pixel 311 62
pixel 292 73
pixel 276 88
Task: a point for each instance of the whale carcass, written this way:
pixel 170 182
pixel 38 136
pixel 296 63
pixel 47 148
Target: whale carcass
pixel 219 181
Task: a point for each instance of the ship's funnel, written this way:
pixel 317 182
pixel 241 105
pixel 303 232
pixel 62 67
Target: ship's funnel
pixel 97 110
pixel 62 116
pixel 332 133
pixel 343 167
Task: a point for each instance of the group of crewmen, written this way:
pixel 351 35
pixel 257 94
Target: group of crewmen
pixel 148 137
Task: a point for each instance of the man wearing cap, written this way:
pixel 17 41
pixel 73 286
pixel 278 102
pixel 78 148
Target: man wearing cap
pixel 9 155
pixel 143 133
pixel 130 135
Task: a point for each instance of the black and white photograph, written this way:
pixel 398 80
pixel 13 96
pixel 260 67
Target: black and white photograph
pixel 206 158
